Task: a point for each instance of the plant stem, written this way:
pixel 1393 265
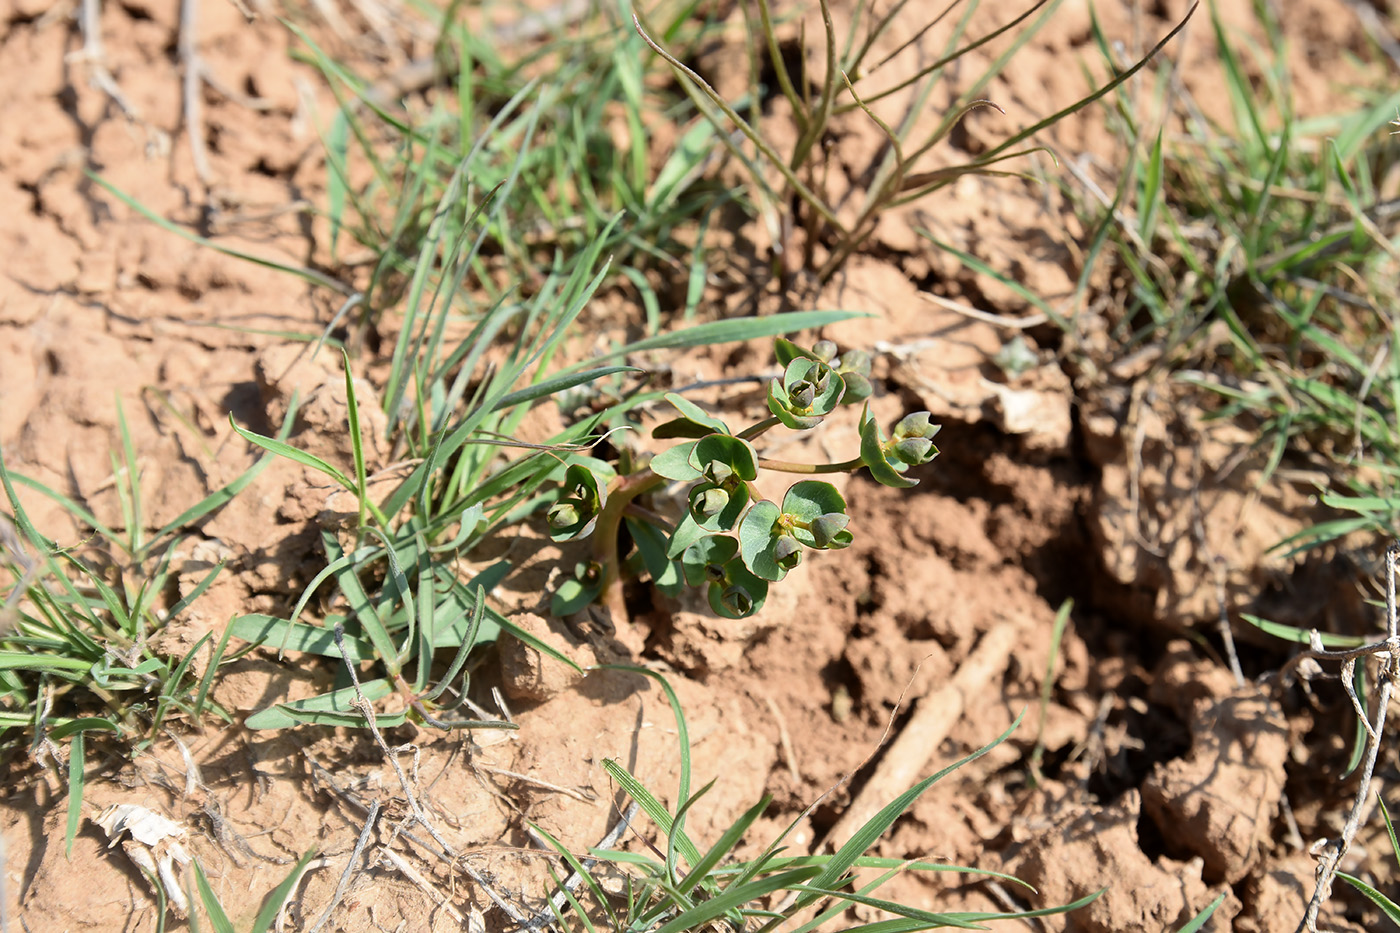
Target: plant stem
pixel 621 495
pixel 787 466
pixel 634 510
pixel 755 431
pixel 696 88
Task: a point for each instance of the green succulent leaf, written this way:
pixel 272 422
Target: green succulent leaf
pixel 854 370
pixel 695 413
pixel 810 499
pixel 679 427
pixel 705 560
pixel 693 422
pixel 853 361
pixel 809 390
pixel 739 595
pixel 858 388
pixel 853 366
pixel 686 534
pixel 787 552
pixel 815 515
pixel 674 463
pixel 717 508
pixel 759 533
pixel 720 457
pixel 916 424
pixel 566 513
pixel 651 547
pixel 912 442
pixel 577 592
pixel 781 406
pixel 913 451
pixel 873 455
pixel 829 531
pixel 786 351
pixel 576 512
pixel 708 501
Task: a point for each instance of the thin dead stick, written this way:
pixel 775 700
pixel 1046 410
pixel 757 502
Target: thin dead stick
pixel 1295 836
pixel 350 864
pixel 999 320
pixel 347 797
pixel 525 778
pixel 784 739
pixel 1002 897
pixel 315 864
pixel 193 76
pixel 426 886
pixel 908 757
pixel 90 22
pixel 366 710
pixel 1227 636
pixel 1331 851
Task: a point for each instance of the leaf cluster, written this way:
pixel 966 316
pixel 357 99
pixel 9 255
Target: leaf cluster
pixel 395 586
pixel 730 540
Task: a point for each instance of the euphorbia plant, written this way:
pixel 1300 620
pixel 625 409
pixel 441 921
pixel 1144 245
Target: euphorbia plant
pixel 730 540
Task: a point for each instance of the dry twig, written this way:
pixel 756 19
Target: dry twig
pixel 416 812
pixel 1387 653
pixel 918 741
pixel 194 72
pixel 424 885
pixel 95 57
pixel 350 864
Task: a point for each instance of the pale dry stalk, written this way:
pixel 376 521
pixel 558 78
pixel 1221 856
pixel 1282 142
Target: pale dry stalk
pixel 1387 653
pixel 918 742
pixel 416 811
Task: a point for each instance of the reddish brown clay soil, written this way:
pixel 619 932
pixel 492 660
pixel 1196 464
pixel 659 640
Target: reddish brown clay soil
pixel 1163 779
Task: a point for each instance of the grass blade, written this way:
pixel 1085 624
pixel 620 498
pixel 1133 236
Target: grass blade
pixel 263 921
pixel 301 272
pixel 77 771
pixel 730 331
pixel 876 826
pixel 213 908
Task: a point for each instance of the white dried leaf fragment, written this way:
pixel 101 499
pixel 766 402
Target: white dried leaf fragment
pixel 153 843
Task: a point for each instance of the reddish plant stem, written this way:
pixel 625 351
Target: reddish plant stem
pixel 621 494
pixel 754 431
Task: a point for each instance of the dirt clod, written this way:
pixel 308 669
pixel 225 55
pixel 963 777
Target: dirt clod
pixel 1087 849
pixel 1219 801
pixel 527 674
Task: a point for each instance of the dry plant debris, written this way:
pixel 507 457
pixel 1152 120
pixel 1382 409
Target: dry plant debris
pixel 154 844
pixel 1386 653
